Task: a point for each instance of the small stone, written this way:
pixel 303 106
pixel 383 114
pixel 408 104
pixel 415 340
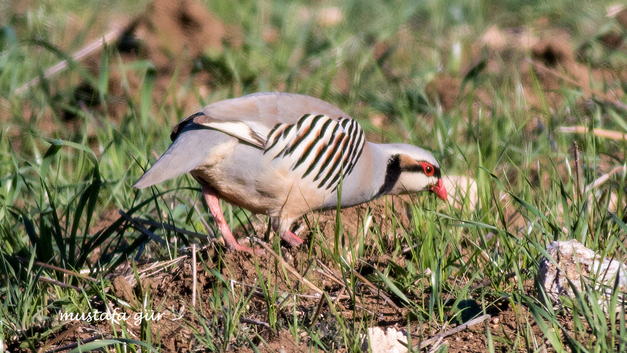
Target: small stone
pixel 576 263
pixel 385 341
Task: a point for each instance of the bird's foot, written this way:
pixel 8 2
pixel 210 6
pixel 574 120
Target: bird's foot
pixel 291 238
pixel 238 247
pixel 247 249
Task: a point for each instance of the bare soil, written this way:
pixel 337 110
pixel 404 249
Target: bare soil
pixel 168 290
pixel 174 36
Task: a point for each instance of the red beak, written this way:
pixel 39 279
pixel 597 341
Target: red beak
pixel 439 189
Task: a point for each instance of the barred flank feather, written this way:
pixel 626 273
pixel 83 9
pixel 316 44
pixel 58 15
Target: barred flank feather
pixel 321 148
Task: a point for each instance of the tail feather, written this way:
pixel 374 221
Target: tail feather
pixel 186 153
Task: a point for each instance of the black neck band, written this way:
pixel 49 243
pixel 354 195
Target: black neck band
pixel 392 173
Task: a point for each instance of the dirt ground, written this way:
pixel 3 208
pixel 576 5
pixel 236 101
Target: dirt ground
pixel 169 287
pixel 173 36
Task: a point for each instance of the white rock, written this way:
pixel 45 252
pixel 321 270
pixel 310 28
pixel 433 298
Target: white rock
pixel 385 342
pixel 580 265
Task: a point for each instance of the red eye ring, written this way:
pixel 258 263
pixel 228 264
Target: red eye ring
pixel 428 169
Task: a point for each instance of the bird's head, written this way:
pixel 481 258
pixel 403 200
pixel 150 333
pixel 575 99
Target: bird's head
pixel 411 169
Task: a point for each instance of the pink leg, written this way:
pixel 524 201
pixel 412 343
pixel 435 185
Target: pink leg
pixel 214 206
pixel 291 238
pixel 286 235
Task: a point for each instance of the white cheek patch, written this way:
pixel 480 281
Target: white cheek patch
pixel 412 182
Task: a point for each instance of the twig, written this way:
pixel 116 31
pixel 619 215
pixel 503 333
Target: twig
pixel 453 331
pixel 603 178
pixel 289 268
pixel 409 248
pixel 335 278
pixel 193 275
pixel 58 283
pixel 328 276
pixel 330 273
pixel 614 135
pixel 156 266
pixel 337 299
pixel 438 342
pixel 160 264
pixel 59 338
pixel 337 303
pixel 378 315
pixel 77 56
pixel 56 268
pixel 256 322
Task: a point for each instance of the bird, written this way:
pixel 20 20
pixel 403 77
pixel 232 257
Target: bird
pixel 284 155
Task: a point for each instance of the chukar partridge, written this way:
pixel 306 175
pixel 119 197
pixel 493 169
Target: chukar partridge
pixel 284 155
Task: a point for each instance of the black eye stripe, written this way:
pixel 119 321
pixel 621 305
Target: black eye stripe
pixel 418 169
pixel 413 169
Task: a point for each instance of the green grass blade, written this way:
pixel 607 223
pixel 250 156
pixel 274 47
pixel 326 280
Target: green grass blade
pixel 392 286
